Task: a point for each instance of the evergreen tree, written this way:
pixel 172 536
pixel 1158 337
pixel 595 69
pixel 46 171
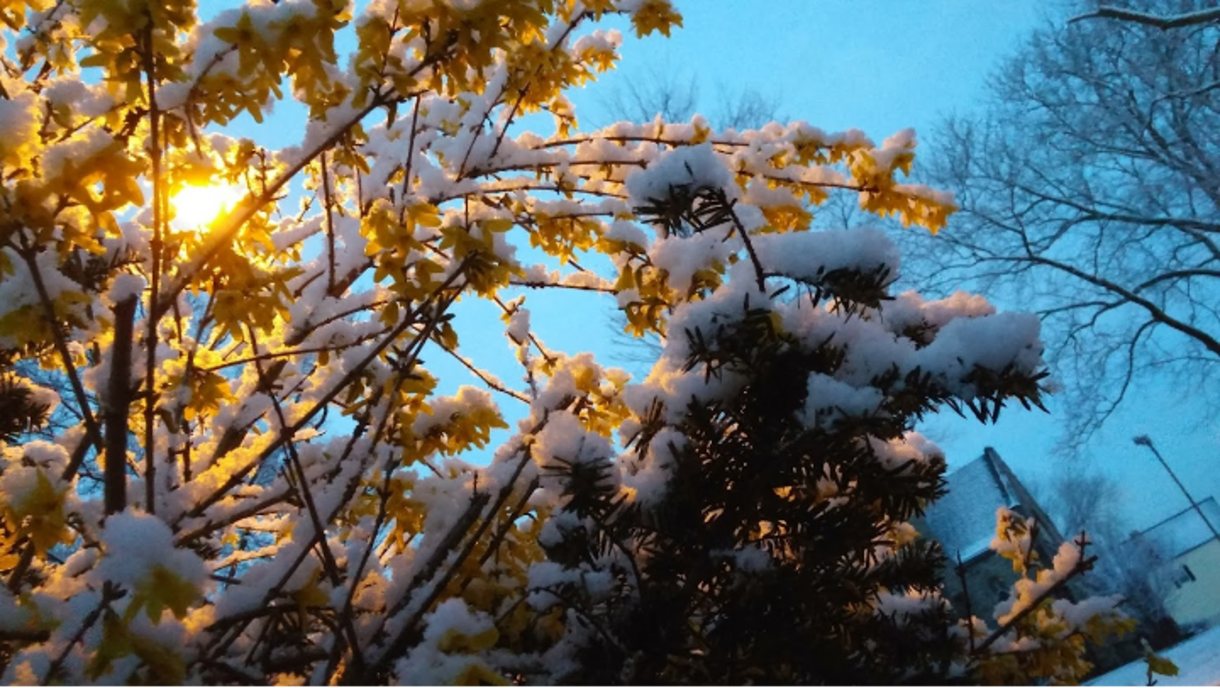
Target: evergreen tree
pixel 759 530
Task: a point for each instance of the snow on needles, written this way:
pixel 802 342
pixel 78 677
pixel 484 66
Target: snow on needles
pixel 810 255
pixel 694 167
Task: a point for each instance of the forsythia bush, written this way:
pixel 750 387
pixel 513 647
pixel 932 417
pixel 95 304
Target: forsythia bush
pixel 222 460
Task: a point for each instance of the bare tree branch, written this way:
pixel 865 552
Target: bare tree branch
pixel 1161 22
pixel 1089 190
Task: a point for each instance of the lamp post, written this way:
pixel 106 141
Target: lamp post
pixel 1146 441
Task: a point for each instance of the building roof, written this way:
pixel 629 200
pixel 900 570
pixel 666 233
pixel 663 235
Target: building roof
pixel 1184 531
pixel 964 519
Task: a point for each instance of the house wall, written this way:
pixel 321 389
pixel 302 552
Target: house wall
pixel 1196 601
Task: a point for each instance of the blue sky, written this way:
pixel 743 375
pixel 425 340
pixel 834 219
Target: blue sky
pixel 878 66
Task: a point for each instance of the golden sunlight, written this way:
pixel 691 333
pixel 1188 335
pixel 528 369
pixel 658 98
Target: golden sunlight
pixel 197 206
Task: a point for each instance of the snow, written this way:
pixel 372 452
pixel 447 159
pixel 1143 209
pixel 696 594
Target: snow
pixel 1078 614
pixel 12 616
pixel 904 607
pixel 992 342
pixel 1004 546
pixel 19 122
pixel 909 311
pixel 566 380
pixel 126 286
pixel 1197 659
pixel 51 457
pixel 1026 591
pixel 911 447
pixel 135 544
pixel 519 325
pixel 17 288
pixel 597 41
pixel 428 663
pixel 445 409
pixel 19 483
pixel 564 440
pixel 681 257
pixel 61 159
pixel 648 475
pixel 586 279
pixel 595 578
pixel 749 558
pixel 829 400
pixel 694 167
pixel 43 395
pixel 18 486
pixel 85 100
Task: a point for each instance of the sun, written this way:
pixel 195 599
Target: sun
pixel 198 206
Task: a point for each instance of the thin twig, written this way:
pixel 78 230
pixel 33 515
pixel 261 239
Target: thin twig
pixel 329 202
pixel 485 376
pixel 960 570
pixel 1084 564
pixel 327 557
pixel 93 432
pixel 355 371
pixel 109 592
pixel 759 274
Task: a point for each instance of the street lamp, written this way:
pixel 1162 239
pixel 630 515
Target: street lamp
pixel 1146 441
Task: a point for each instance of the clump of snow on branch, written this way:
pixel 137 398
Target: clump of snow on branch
pixel 692 167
